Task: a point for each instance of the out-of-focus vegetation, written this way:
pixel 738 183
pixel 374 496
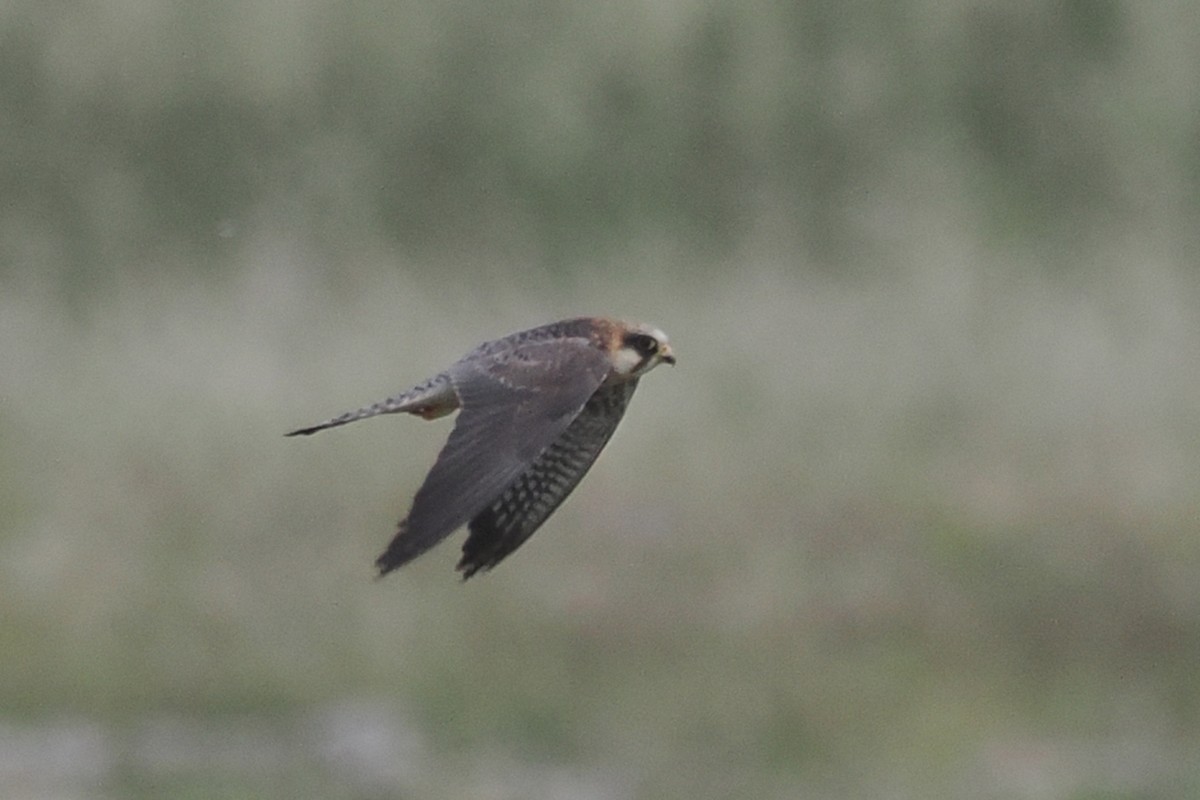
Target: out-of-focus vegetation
pixel 915 516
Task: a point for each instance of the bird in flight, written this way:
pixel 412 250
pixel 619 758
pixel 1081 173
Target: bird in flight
pixel 537 407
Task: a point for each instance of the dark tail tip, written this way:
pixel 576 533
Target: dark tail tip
pixel 306 431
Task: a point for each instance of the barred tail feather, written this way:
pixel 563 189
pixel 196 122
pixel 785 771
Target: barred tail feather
pixel 430 399
pixel 383 407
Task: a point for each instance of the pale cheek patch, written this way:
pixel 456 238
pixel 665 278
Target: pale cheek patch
pixel 626 361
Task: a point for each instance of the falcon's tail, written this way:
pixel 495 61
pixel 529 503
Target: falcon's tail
pixel 434 398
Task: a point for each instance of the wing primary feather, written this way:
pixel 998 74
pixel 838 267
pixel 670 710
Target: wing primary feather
pixel 521 508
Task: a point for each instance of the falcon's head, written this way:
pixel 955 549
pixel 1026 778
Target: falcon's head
pixel 636 349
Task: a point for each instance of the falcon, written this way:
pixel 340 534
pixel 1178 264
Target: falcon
pixel 536 408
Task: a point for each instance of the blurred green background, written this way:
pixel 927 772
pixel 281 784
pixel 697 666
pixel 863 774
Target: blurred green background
pixel 914 517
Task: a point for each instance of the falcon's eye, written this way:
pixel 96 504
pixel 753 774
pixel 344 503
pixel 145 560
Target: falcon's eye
pixel 643 343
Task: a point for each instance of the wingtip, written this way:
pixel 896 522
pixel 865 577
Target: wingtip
pixel 385 565
pixel 468 569
pixel 399 552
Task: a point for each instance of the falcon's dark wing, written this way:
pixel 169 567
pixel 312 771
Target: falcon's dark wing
pixel 515 402
pixel 525 504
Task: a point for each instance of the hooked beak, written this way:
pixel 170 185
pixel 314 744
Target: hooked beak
pixel 666 356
